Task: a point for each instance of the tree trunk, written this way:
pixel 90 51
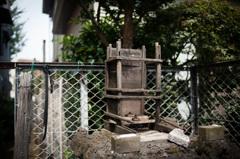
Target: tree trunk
pixel 128 26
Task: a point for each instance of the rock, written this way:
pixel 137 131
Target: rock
pixel 165 154
pixel 177 136
pixel 83 144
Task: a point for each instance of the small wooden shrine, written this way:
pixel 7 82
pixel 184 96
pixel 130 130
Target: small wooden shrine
pixel 126 90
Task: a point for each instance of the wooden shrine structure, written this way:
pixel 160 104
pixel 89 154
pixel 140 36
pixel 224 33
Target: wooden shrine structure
pixel 126 89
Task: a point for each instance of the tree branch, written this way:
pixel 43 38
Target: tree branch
pixel 99 12
pixel 136 24
pixel 116 21
pixel 95 24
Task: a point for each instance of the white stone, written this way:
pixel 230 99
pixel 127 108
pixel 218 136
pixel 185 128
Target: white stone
pixel 126 136
pixel 153 136
pixel 177 136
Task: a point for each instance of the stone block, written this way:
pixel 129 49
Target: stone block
pixel 153 135
pixel 126 143
pixel 177 136
pixel 211 132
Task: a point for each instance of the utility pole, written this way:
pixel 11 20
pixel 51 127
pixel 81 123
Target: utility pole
pixel 44 53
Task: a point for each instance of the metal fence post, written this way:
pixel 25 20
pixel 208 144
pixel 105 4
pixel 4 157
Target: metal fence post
pixel 194 100
pixel 84 101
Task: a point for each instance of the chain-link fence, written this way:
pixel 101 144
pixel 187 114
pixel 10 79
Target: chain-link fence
pixel 219 98
pixel 76 99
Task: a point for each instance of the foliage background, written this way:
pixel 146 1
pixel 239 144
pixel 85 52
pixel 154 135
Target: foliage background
pixel 17 40
pixel 205 31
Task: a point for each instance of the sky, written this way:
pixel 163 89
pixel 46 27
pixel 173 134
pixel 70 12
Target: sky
pixel 38 27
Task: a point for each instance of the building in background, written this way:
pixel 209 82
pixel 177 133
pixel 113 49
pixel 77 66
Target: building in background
pixel 61 12
pixel 5 22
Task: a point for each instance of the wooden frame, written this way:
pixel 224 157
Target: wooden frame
pixel 125 83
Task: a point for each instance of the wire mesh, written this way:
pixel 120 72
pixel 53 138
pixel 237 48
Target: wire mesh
pixel 219 99
pixel 175 101
pixel 76 99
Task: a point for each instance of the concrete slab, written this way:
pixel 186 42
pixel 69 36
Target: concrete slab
pixel 153 136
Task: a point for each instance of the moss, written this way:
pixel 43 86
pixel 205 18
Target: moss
pixel 173 149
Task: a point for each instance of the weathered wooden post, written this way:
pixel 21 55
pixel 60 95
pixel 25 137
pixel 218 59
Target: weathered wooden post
pixel 23 117
pixel 158 80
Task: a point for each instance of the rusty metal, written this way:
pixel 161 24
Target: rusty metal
pixel 135 118
pixel 52 66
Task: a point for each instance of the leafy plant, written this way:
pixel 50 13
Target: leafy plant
pixel 17 40
pixel 68 153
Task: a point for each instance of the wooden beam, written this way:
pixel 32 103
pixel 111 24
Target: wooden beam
pixel 132 97
pixel 23 117
pixel 118 117
pixel 133 59
pixel 133 90
pixel 123 130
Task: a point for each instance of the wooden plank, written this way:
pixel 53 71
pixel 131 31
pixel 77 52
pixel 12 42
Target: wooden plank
pixel 157 108
pixel 129 119
pixel 125 90
pixel 134 59
pixel 143 52
pixel 157 51
pixel 123 130
pixel 132 97
pixel 119 74
pixel 129 105
pixel 171 123
pixel 23 117
pixel 158 82
pixel 106 77
pixel 118 44
pixel 110 51
pixel 106 125
pixel 144 121
pixel 144 77
pixel 165 120
pixel 131 74
pixel 118 117
pixel 134 53
pixel 163 127
pixel 158 76
pixel 109 126
pixel 108 55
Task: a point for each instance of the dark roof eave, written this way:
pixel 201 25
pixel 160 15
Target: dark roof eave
pixel 48 7
pixel 5 16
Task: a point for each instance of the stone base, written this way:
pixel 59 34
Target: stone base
pixel 153 135
pixel 126 143
pixel 209 133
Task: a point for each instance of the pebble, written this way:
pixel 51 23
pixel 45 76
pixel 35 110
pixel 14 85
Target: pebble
pixel 165 154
